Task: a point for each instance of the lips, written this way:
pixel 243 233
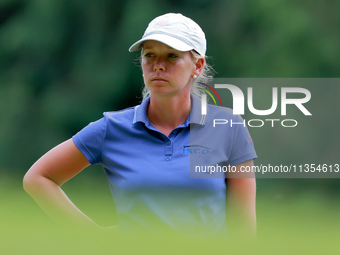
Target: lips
pixel 158 79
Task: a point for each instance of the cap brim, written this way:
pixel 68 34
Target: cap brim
pixel 168 40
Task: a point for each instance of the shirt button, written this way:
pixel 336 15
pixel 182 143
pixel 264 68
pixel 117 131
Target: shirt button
pixel 168 143
pixel 175 132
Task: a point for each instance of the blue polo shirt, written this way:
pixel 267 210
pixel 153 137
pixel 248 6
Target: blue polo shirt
pixel 150 173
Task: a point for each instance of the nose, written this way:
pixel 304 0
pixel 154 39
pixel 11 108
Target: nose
pixel 159 65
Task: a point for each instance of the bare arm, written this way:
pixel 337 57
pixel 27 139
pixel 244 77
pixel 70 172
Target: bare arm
pixel 44 178
pixel 241 199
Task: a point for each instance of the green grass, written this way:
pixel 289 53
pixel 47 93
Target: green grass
pixel 297 224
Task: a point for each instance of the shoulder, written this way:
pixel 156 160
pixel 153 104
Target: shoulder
pixel 96 131
pixel 123 116
pixel 109 119
pixel 220 121
pixel 221 112
pixel 120 113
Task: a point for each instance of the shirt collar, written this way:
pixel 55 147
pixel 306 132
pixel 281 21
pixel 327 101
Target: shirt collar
pixel 195 116
pixel 140 114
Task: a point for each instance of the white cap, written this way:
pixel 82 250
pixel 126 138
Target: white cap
pixel 176 31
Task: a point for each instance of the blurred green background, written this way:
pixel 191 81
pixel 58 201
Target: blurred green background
pixel 63 63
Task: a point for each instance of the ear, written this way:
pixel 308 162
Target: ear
pixel 198 66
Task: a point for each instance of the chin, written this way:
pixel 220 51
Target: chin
pixel 158 89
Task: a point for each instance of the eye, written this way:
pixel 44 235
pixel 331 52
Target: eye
pixel 148 55
pixel 171 55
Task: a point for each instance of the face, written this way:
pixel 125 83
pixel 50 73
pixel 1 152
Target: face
pixel 167 71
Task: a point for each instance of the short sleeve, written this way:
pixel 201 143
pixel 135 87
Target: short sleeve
pixel 90 139
pixel 242 144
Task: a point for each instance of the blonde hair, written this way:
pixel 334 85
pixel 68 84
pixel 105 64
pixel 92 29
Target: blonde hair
pixel 196 87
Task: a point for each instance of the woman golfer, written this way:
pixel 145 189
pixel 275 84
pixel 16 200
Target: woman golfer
pixel 161 157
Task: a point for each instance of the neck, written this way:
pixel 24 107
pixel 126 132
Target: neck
pixel 167 113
